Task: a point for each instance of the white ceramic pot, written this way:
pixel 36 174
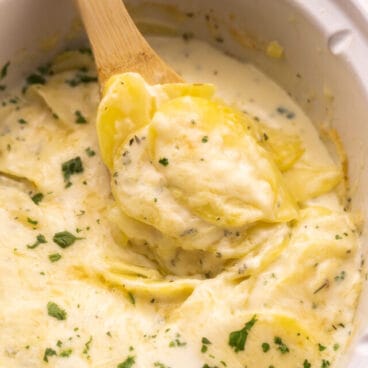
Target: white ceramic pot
pixel 325 68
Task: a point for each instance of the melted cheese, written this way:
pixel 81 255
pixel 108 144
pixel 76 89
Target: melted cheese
pixel 214 239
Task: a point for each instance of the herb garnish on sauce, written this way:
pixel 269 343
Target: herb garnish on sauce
pixel 71 167
pixel 237 339
pixel 64 239
pixel 55 311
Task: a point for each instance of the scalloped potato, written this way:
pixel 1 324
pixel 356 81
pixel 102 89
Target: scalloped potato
pixel 182 225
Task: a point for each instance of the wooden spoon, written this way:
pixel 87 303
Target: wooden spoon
pixel 117 44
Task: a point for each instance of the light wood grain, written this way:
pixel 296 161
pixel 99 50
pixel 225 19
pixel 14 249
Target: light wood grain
pixel 117 44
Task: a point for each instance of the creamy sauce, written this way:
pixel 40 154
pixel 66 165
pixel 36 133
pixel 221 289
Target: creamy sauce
pixel 293 296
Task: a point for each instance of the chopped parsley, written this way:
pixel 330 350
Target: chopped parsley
pixel 4 70
pixel 85 50
pixel 306 364
pixel 66 353
pixel 325 363
pixel 340 276
pixel 22 121
pixel 48 353
pixel 40 239
pixel 281 346
pixel 286 112
pixel 127 363
pixel 336 347
pixel 45 69
pixel 55 311
pixel 37 198
pixel 64 239
pixel 35 79
pixel 71 167
pixel 79 118
pixel 163 161
pixel 54 257
pixel 177 343
pixel 87 345
pixel 237 339
pixel 160 365
pixel 90 152
pixel 131 298
pixel 266 347
pixel 31 221
pixel 205 343
pixel 205 139
pixel 321 347
pixel 81 79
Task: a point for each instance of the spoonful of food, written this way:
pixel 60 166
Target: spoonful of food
pixel 117 44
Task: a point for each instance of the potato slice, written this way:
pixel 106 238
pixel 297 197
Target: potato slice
pixel 127 105
pixel 214 167
pixel 306 181
pixel 285 149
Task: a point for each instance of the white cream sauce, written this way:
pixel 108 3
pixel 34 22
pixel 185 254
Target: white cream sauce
pixel 106 326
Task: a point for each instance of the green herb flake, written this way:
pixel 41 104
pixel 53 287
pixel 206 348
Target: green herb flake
pixel 336 347
pixel 4 70
pixel 37 198
pixel 321 347
pixel 205 139
pixel 325 363
pixel 160 365
pixel 40 239
pixel 163 161
pixel 281 346
pixel 65 239
pixel 87 345
pixel 127 363
pixel 31 221
pixel 237 339
pixel 205 343
pixel 85 50
pixel 176 342
pixel 340 276
pixel 81 79
pixel 66 353
pixel 90 152
pixel 35 79
pixel 265 347
pixel 22 121
pixel 54 257
pixel 48 353
pixel 71 167
pixel 131 298
pixel 306 364
pixel 79 118
pixel 45 69
pixel 53 310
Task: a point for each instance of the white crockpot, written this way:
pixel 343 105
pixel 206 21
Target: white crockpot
pixel 325 67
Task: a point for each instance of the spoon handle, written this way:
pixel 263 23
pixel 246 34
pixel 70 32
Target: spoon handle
pixel 117 44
